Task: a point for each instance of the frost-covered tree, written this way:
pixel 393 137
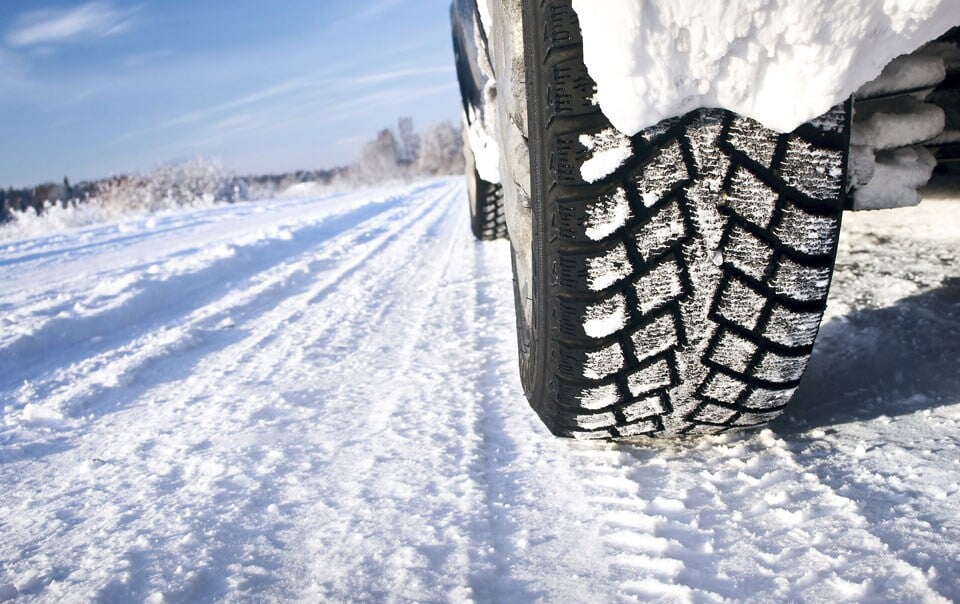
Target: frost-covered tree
pixel 378 160
pixel 409 141
pixel 441 151
pixel 168 186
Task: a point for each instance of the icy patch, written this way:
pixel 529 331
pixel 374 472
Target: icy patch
pixel 654 60
pixel 607 215
pixel 608 150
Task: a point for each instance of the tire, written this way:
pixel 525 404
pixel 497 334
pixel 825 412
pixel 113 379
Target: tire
pixel 487 219
pixel 681 293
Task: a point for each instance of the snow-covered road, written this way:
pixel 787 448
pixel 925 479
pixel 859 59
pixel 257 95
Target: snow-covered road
pixel 317 399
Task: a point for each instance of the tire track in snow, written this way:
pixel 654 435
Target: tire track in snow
pixel 160 299
pixel 194 333
pixel 409 494
pixel 210 407
pixel 737 516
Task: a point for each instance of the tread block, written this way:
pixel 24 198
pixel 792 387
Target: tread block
pixel 778 368
pixel 759 144
pixel 594 218
pixel 652 377
pixel 814 171
pixel 732 351
pixel 832 122
pixel 640 428
pixel 599 397
pixel 799 282
pixel 609 213
pixel 592 398
pixel 740 304
pixel 722 387
pixel 749 419
pixel 645 407
pixel 594 421
pixel 656 337
pixel 805 232
pixel 710 413
pixel 659 286
pixel 664 171
pixel 792 328
pixel 766 398
pixel 609 268
pixel 597 364
pixel 663 231
pixel 750 198
pixel 659 130
pixel 595 435
pixel 605 318
pixel 588 362
pixel 748 253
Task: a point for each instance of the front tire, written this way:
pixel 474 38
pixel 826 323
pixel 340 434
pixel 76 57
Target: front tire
pixel 681 291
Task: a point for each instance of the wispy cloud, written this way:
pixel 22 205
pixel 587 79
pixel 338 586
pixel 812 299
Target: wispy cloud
pixel 90 20
pixel 397 74
pixel 266 93
pixel 375 8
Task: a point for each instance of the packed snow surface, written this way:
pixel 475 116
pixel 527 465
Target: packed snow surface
pixel 781 62
pixel 317 399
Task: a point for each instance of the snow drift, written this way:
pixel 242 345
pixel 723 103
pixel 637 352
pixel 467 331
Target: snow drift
pixel 780 62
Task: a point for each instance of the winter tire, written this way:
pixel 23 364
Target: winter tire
pixel 681 291
pixel 486 202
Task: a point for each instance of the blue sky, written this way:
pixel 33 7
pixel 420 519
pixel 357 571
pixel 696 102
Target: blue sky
pixel 89 89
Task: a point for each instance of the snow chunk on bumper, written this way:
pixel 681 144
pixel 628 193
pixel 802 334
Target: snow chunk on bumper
pixel 780 62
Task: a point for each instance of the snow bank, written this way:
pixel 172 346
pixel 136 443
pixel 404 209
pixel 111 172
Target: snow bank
pixel 781 62
pixel 57 218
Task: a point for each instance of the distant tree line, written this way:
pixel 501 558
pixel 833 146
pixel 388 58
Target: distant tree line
pixel 399 155
pixel 40 196
pixel 408 154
